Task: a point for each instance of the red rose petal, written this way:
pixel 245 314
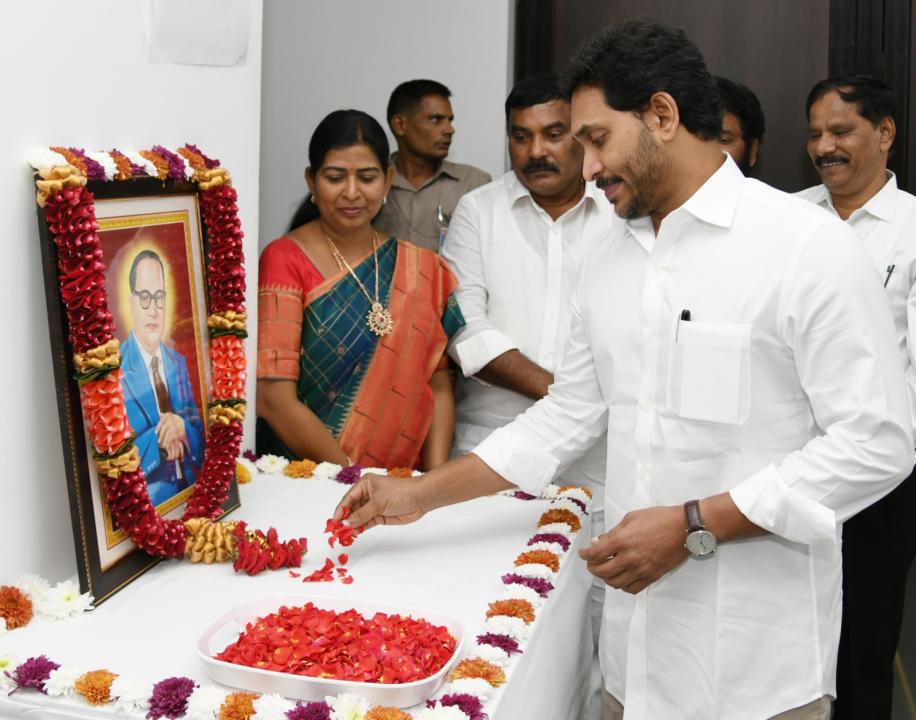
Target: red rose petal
pixel 347 580
pixel 343 558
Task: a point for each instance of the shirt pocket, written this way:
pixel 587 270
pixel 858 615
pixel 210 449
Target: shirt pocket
pixel 709 372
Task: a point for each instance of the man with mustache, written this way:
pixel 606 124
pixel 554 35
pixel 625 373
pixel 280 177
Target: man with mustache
pixel 851 132
pixel 426 186
pixel 732 341
pixel 516 245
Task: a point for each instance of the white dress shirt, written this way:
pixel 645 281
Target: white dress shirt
pixel 886 224
pixel 516 268
pixel 783 388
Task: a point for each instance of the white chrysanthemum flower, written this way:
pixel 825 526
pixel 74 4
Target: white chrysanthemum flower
pixel 271 464
pixel 441 712
pixel 64 600
pixel 347 706
pixel 553 547
pixel 517 591
pixel 205 702
pixel 563 503
pixel 478 687
pixel 535 570
pixel 43 157
pixel 8 663
pixel 188 170
pixel 326 471
pixel 3 629
pixel 130 694
pixel 551 491
pixel 491 653
pixel 34 586
pixel 107 163
pixel 577 493
pixel 512 626
pixel 137 159
pixel 61 681
pixel 272 707
pixel 557 527
pixel 373 471
pixel 247 464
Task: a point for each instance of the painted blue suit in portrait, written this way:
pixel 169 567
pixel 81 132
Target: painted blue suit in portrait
pixel 162 478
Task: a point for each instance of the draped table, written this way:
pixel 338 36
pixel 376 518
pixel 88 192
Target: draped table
pixel 450 561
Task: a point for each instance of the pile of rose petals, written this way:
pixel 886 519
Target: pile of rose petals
pixel 309 641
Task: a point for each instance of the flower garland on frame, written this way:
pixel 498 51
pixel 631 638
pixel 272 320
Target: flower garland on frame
pixel 70 214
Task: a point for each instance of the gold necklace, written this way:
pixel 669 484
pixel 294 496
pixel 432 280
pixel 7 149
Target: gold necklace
pixel 379 317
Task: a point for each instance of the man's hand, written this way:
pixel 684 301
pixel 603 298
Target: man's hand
pixel 643 547
pixel 175 451
pixel 381 500
pixel 170 430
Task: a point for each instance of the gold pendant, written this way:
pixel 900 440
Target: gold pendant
pixel 379 320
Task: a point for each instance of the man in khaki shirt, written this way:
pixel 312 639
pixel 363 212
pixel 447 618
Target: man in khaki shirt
pixel 426 186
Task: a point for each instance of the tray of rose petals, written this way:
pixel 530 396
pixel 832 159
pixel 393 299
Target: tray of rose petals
pixel 307 647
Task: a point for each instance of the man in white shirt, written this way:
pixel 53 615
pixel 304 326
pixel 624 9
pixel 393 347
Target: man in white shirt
pixel 851 131
pixel 737 348
pixel 516 245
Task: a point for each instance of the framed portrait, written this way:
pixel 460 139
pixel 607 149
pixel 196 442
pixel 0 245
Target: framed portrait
pixel 154 251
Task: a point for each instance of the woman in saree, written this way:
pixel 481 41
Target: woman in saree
pixel 352 326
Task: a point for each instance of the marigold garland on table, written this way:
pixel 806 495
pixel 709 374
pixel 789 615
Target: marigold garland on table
pixel 70 213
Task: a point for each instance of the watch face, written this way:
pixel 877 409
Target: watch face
pixel 701 542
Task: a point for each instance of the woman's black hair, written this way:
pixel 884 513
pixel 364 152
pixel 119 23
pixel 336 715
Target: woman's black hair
pixel 340 129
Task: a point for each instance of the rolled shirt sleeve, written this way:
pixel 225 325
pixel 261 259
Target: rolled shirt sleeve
pixel 554 432
pixel 834 318
pixel 479 341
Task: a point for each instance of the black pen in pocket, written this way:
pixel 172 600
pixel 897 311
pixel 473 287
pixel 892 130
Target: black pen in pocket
pixel 890 270
pixel 685 316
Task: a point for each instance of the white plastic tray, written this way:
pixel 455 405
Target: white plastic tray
pixel 226 630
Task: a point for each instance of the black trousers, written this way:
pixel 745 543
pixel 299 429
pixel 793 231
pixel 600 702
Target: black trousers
pixel 878 546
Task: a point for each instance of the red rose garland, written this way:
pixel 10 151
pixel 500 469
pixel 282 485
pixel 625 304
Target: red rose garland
pixel 70 213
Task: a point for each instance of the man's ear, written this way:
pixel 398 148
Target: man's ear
pixel 887 131
pixel 398 123
pixel 752 155
pixel 662 116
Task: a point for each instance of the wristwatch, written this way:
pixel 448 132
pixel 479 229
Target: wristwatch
pixel 699 540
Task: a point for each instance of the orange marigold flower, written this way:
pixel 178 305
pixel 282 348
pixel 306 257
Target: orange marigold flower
pixel 561 515
pixel 125 172
pixel 73 159
pixel 194 159
pixel 95 686
pixel 238 706
pixel 162 165
pixel 15 607
pixel 539 557
pixel 477 668
pixel 242 474
pixel 576 487
pixel 401 472
pixel 513 608
pixel 386 713
pixel 300 469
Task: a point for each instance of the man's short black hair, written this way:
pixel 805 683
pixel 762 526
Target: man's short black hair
pixel 408 95
pixel 740 101
pixel 140 257
pixel 632 61
pixel 873 98
pixel 533 90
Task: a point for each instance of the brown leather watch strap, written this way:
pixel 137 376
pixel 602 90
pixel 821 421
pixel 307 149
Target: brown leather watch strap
pixel 692 516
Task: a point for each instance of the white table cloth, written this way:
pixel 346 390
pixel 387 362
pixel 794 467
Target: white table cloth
pixel 450 561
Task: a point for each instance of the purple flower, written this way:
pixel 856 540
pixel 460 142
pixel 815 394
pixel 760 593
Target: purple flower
pixel 170 698
pixel 467 703
pixel 176 162
pixel 539 585
pixel 94 170
pixel 349 474
pixel 501 641
pixel 557 538
pixel 310 711
pixel 210 163
pixel 522 495
pixel 578 502
pixel 249 455
pixel 33 673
